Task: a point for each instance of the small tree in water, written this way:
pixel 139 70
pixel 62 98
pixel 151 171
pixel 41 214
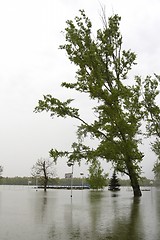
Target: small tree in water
pixel 43 170
pixel 97 179
pixel 114 183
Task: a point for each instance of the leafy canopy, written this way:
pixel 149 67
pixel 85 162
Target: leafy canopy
pixel 102 68
pixel 97 178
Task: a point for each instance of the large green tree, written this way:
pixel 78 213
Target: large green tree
pixel 102 68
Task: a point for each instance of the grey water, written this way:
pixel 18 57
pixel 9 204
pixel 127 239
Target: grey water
pixel 27 214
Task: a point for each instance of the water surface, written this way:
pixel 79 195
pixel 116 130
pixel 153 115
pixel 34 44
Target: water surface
pixel 27 214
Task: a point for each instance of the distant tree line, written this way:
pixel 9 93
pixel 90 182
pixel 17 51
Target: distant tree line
pixel 32 181
pixel 15 180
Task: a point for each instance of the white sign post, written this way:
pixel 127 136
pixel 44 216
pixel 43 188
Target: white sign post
pixel 70 164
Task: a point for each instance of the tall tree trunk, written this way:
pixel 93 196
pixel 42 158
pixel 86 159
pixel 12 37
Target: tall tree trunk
pixel 45 176
pixel 135 185
pixel 45 185
pixel 134 179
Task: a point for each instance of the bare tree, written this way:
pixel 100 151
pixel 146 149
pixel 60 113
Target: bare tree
pixel 43 170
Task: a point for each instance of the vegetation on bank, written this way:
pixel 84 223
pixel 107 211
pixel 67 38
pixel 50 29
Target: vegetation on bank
pixel 66 182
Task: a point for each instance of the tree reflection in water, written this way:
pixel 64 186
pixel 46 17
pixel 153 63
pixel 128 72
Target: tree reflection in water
pixel 128 227
pixel 99 215
pixel 40 205
pixel 111 219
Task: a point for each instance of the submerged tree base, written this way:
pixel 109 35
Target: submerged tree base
pixel 137 192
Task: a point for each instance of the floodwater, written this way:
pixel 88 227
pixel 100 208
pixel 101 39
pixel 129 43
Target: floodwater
pixel 27 214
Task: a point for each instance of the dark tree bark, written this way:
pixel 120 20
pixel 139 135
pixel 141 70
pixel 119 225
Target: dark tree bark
pixel 134 179
pixel 45 176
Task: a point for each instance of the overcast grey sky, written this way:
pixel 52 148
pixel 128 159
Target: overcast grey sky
pixel 31 65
